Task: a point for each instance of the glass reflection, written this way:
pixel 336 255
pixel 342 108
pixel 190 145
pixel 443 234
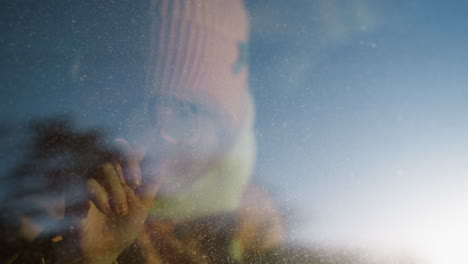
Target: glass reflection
pixel 129 132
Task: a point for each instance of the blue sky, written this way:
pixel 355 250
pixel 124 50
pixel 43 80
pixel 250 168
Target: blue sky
pixel 367 133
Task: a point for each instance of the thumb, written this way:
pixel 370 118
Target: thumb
pixel 130 160
pixel 154 174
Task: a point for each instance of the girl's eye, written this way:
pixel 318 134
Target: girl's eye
pixel 179 123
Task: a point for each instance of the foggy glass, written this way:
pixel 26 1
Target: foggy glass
pixel 305 131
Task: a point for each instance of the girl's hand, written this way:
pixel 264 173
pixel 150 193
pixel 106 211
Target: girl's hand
pixel 117 205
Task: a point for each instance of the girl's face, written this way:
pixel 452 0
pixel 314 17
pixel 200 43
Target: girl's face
pixel 188 134
pixel 198 101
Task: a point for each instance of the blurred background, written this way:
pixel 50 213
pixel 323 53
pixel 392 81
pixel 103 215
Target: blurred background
pixel 362 122
pixel 361 106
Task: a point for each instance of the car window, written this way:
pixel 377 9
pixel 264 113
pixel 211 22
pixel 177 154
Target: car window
pixel 185 131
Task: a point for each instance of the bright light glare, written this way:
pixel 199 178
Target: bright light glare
pixel 429 229
pixel 446 242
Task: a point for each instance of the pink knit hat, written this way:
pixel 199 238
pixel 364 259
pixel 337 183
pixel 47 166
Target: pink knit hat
pixel 199 53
